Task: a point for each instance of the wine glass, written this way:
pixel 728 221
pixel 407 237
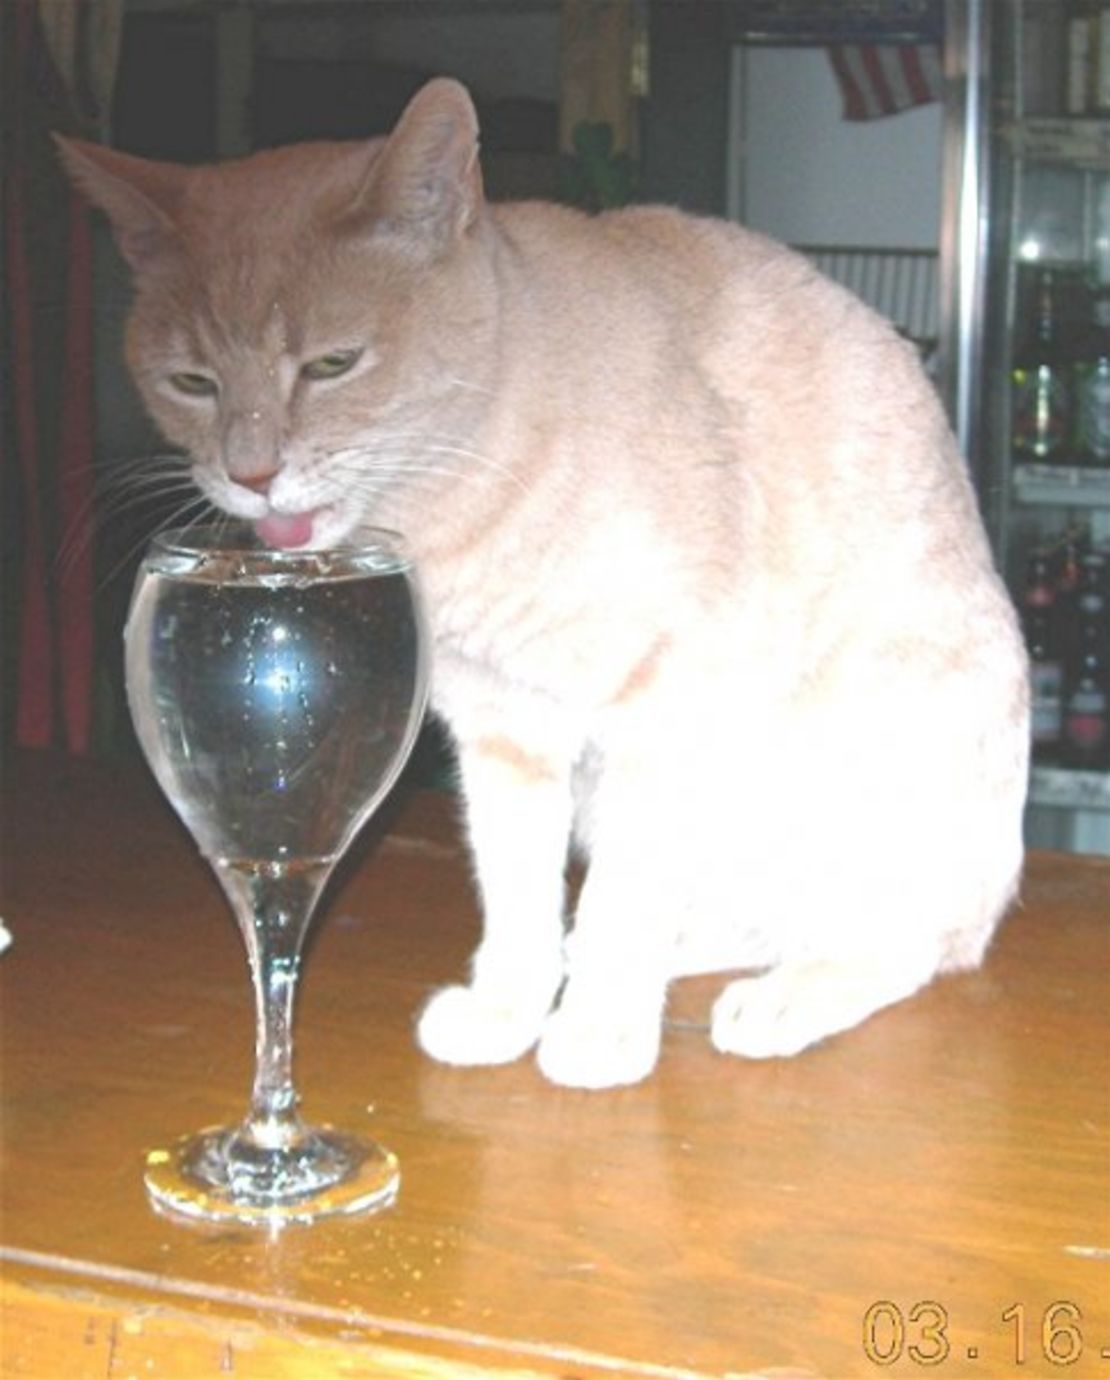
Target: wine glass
pixel 276 695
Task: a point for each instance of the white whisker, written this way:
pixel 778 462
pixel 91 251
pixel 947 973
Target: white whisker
pixel 126 486
pixel 466 386
pixel 175 518
pixel 402 453
pixel 83 525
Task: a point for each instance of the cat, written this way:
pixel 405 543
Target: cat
pixel 711 601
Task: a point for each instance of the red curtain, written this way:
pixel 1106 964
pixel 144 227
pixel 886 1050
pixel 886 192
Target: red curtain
pixel 47 438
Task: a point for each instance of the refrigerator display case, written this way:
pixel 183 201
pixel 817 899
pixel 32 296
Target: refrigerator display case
pixel 1025 362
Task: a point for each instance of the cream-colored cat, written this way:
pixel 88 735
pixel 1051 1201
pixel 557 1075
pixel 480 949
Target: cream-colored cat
pixel 708 586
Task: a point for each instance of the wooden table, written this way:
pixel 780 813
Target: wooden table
pixel 934 1187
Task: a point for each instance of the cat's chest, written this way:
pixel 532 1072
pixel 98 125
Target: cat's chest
pixel 505 650
pixel 562 654
pixel 562 617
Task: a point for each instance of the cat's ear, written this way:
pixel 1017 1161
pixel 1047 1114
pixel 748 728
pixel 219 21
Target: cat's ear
pixel 426 183
pixel 140 197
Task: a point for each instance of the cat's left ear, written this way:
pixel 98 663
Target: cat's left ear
pixel 426 183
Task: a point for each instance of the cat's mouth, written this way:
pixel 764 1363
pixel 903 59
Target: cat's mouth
pixel 286 530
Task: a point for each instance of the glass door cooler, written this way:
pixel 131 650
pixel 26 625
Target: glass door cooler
pixel 1025 361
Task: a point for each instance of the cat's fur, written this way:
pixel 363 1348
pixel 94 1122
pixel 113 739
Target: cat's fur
pixel 708 586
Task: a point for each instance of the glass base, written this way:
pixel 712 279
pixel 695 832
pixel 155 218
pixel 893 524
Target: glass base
pixel 221 1175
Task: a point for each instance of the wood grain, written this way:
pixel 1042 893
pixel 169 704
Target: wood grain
pixel 724 1218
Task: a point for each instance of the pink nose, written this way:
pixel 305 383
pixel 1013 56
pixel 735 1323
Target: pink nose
pixel 259 482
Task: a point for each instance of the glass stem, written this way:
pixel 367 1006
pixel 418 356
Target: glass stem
pixel 273 905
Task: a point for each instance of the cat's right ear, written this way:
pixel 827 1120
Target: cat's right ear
pixel 140 197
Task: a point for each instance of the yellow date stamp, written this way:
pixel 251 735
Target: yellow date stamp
pixel 924 1334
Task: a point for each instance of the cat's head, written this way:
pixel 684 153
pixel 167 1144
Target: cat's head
pixel 305 318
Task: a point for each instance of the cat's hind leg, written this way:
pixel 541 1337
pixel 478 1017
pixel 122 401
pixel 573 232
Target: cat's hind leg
pixel 867 956
pixel 800 1003
pixel 861 928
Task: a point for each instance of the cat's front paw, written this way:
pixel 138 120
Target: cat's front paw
pixel 473 1025
pixel 604 1051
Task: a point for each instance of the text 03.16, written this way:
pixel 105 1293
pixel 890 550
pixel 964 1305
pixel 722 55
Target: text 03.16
pixel 923 1335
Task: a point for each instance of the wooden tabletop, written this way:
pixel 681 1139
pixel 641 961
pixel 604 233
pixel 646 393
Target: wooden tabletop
pixel 928 1193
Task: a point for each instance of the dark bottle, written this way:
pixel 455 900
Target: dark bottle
pixel 1041 378
pixel 1039 609
pixel 1091 384
pixel 1091 591
pixel 1086 728
pixel 1087 57
pixel 1079 54
pixel 1086 723
pixel 1100 59
pixel 1068 557
pixel 1073 545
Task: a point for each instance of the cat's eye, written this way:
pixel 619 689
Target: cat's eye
pixel 331 366
pixel 194 385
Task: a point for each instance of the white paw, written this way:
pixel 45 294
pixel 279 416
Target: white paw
pixel 758 1017
pixel 471 1025
pixel 603 1052
pixel 790 1008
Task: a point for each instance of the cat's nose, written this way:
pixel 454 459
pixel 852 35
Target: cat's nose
pixel 260 481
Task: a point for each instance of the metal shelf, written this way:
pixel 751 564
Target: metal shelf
pixel 1069 790
pixel 1062 486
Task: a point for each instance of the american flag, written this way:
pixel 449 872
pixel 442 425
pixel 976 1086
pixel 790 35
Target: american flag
pixel 883 79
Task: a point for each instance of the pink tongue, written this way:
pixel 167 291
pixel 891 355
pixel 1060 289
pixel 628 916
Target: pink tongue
pixel 281 529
